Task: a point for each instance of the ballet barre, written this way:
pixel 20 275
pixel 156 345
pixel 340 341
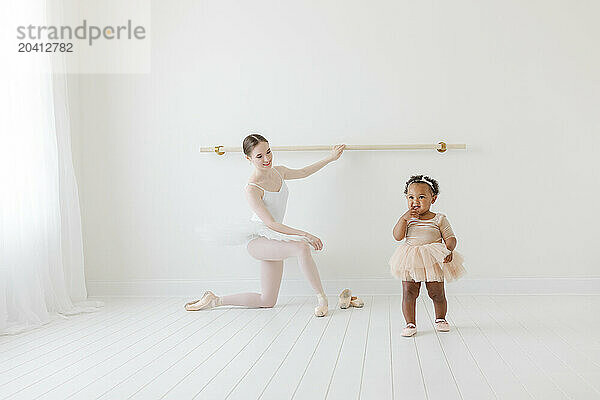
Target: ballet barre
pixel 441 147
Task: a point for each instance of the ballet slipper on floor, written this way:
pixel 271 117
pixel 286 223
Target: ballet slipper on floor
pixel 410 330
pixel 208 300
pixel 345 298
pixel 441 325
pixel 356 302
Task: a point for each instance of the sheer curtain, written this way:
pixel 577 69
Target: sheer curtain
pixel 41 252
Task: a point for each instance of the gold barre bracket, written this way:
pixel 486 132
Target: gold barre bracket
pixel 442 148
pixel 218 150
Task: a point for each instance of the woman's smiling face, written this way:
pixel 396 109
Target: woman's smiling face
pixel 420 197
pixel 261 156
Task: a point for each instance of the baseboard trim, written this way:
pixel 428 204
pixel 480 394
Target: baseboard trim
pixel 299 287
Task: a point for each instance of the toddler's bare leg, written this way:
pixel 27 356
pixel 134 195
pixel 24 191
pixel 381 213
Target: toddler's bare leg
pixel 410 292
pixel 437 294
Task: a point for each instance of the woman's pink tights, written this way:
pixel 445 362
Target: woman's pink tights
pixel 271 253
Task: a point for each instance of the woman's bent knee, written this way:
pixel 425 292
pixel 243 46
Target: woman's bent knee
pixel 268 303
pixel 303 249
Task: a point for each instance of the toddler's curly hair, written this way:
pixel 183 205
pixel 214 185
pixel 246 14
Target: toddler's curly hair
pixel 433 184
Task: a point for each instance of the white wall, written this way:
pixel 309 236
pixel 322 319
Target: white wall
pixel 517 81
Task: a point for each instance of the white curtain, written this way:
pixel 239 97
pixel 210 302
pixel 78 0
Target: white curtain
pixel 41 252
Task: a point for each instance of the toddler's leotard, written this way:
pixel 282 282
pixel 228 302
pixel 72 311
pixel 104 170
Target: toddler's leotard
pixel 420 257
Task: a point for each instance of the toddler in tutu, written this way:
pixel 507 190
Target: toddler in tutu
pixel 427 255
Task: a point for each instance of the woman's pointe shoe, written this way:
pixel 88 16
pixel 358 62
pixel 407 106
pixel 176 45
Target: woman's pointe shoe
pixel 208 300
pixel 345 298
pixel 322 308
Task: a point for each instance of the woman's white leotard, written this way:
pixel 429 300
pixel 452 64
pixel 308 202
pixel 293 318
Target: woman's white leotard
pixel 276 204
pixel 234 233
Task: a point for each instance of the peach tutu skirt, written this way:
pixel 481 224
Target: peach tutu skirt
pixel 425 263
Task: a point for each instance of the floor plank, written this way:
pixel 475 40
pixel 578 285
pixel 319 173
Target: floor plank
pixel 439 380
pixel 569 381
pixel 71 325
pixel 472 382
pixel 346 378
pixel 247 322
pixel 142 376
pixel 535 381
pixel 503 379
pixel 376 382
pixel 111 372
pixel 38 381
pixel 559 313
pixel 316 378
pixel 260 362
pixel 288 376
pixel 408 378
pixel 238 353
pixel 582 360
pixel 40 353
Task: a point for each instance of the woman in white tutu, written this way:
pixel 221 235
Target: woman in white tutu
pixel 268 239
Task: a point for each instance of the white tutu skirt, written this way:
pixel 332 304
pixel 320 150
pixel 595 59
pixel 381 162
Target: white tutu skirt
pixel 241 233
pixel 425 263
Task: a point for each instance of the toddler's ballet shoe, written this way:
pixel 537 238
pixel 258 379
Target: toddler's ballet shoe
pixel 356 302
pixel 441 325
pixel 345 298
pixel 409 330
pixel 208 300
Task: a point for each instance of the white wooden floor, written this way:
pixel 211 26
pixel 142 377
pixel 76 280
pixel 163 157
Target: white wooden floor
pixel 507 347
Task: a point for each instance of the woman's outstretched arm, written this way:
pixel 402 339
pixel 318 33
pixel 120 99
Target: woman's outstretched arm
pixel 289 173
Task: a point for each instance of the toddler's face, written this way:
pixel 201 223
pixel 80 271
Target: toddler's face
pixel 261 156
pixel 419 197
